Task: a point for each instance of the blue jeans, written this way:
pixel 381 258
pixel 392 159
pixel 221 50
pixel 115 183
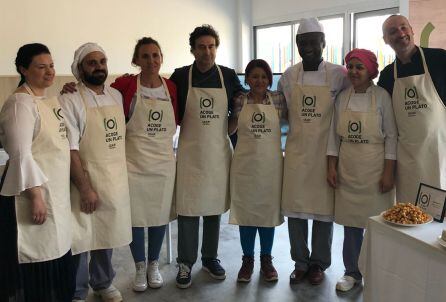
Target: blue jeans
pixel 248 239
pixel 350 251
pixel 156 237
pixel 98 272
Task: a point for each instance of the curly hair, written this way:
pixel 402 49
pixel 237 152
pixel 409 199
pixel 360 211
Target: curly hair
pixel 204 30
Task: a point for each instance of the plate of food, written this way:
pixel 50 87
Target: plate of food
pixel 406 214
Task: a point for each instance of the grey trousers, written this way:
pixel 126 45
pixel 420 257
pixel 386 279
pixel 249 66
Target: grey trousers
pixel 350 251
pixel 98 273
pixel 322 237
pixel 188 232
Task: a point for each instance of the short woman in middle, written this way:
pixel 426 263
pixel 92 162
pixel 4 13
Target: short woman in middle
pixel 256 169
pixel 150 110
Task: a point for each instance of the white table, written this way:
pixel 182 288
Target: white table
pixel 403 263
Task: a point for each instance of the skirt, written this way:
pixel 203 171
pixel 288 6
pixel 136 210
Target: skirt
pixel 48 281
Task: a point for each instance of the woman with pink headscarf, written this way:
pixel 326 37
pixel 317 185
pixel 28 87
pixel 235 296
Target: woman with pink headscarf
pixel 361 157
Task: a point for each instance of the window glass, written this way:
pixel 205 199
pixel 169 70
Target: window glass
pixel 273 44
pixel 368 34
pixel 334 38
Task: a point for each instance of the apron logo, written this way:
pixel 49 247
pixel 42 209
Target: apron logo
pixel 308 101
pixel 258 117
pixel 206 103
pixel 155 116
pixel 410 93
pixel 354 127
pixel 57 113
pixel 110 124
pixel 424 200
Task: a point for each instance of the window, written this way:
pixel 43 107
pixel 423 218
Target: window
pixel 273 44
pixel 276 44
pixel 334 38
pixel 368 34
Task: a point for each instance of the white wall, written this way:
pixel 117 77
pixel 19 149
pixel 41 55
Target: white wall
pixel 268 12
pixel 63 25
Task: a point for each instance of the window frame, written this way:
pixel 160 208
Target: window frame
pixel 349 27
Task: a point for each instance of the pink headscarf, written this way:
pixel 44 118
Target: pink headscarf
pixel 367 58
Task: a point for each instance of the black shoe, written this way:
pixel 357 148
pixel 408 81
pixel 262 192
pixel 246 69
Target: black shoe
pixel 213 267
pixel 184 279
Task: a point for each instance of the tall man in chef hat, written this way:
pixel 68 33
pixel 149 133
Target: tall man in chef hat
pixel 99 191
pixel 310 88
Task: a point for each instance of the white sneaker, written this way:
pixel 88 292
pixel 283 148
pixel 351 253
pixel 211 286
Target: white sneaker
pixel 140 281
pixel 346 283
pixel 153 275
pixel 109 294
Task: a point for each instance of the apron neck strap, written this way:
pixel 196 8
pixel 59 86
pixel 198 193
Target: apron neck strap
pixel 219 73
pixel 28 89
pixel 423 59
pixel 138 88
pixel 373 96
pixel 268 98
pixel 300 69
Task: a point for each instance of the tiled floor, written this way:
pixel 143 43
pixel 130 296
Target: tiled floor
pixel 204 288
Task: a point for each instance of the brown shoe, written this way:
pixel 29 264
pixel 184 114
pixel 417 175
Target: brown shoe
pixel 297 276
pixel 315 275
pixel 267 269
pixel 245 272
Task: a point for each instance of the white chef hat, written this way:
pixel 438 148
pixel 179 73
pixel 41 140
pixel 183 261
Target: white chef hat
pixel 310 25
pixel 81 53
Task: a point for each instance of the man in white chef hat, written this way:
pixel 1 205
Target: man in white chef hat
pixel 310 88
pixel 99 192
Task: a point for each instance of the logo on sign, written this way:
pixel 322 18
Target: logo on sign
pixel 354 127
pixel 308 101
pixel 110 124
pixel 206 103
pixel 410 93
pixel 155 116
pixel 258 117
pixel 58 113
pixel 424 200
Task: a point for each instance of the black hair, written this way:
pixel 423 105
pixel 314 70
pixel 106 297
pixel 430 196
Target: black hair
pixel 204 30
pixel 260 64
pixel 141 42
pixel 25 56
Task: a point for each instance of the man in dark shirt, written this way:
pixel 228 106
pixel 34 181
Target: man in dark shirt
pixel 418 89
pixel 205 93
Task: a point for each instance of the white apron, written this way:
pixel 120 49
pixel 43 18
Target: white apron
pixel 360 167
pixel 305 187
pixel 102 152
pixel 151 161
pixel 420 116
pixel 51 151
pixel 204 153
pixel 257 167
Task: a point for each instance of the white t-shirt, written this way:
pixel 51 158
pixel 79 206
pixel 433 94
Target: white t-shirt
pixel 158 93
pixel 19 125
pixel 361 102
pixel 74 110
pixel 337 82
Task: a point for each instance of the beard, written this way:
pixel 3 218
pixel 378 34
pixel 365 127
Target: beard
pixel 96 78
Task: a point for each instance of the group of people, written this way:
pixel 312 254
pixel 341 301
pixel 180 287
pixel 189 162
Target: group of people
pixel 349 141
